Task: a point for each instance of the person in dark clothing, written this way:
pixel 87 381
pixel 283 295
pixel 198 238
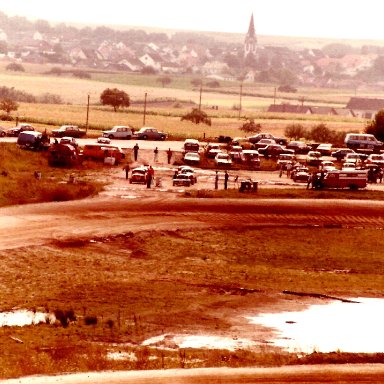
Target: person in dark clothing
pixel 226 177
pixel 169 155
pixel 126 169
pixel 136 151
pixel 150 176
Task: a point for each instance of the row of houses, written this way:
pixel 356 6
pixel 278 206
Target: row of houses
pixel 360 107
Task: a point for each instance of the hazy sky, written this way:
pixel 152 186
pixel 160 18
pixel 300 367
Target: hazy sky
pixel 356 19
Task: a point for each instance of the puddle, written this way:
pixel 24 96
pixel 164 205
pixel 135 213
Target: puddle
pixel 337 326
pixel 199 341
pixel 24 317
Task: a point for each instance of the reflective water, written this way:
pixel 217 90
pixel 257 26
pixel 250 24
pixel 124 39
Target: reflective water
pixel 337 326
pixel 24 317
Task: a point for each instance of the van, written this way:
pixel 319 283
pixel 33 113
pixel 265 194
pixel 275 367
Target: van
pixel 347 178
pixel 102 152
pixel 191 145
pixel 33 140
pixel 362 141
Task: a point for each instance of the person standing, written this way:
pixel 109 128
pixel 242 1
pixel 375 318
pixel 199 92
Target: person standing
pixel 169 155
pixel 217 180
pixel 136 151
pixel 150 176
pixel 126 169
pixel 226 177
pixel 156 155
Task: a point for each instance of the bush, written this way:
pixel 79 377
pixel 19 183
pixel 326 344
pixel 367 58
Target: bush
pixel 81 74
pixel 15 67
pixel 197 116
pixel 90 320
pixel 251 127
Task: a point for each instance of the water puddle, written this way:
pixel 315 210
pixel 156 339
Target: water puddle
pixel 24 317
pixel 337 326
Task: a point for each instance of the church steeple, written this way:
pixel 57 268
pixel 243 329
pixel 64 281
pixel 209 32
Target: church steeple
pixel 250 39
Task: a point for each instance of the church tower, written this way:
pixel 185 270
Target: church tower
pixel 250 39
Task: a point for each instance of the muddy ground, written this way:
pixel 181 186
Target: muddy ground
pixel 126 208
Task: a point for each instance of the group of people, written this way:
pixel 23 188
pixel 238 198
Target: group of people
pixel 155 154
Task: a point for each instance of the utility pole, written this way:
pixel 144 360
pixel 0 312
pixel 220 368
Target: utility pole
pixel 241 94
pixel 274 97
pixel 201 91
pixel 145 107
pixel 87 119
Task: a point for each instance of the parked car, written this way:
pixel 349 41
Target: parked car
pixel 188 171
pixel 103 151
pixel 283 159
pixel 251 157
pixel 103 140
pixel 263 142
pixel 260 136
pixel 119 132
pixel 313 158
pixel 243 142
pixel 223 159
pixel 69 140
pixel 348 165
pixel 191 145
pixel 3 132
pixel 149 133
pixel 15 131
pixel 181 180
pixel 69 131
pixel 339 154
pixel 212 149
pixel 375 159
pixel 327 165
pixel 300 174
pixel 274 150
pixel 191 158
pixel 362 141
pixel 353 158
pixel 299 147
pixel 324 149
pixel 236 153
pixel 139 175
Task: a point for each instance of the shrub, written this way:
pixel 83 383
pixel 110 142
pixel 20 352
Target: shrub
pixel 197 116
pixel 15 67
pixel 90 320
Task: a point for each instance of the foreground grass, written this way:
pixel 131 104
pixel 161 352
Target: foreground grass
pixel 139 286
pixel 19 186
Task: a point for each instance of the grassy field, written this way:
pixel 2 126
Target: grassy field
pixel 226 120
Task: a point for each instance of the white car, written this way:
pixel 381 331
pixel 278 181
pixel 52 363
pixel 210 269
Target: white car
pixel 348 166
pixel 103 140
pixel 69 140
pixel 223 159
pixel 119 132
pixel 327 165
pixel 188 171
pixel 192 158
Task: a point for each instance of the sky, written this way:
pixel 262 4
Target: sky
pixel 340 19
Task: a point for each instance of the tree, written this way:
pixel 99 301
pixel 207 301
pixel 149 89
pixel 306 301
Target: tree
pixel 197 116
pixel 115 97
pixel 295 131
pixel 250 126
pixel 376 126
pixel 164 80
pixel 15 67
pixel 8 105
pixel 321 133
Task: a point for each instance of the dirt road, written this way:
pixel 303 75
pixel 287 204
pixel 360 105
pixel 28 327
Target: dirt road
pixel 294 374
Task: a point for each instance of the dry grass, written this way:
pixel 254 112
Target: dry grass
pixel 137 286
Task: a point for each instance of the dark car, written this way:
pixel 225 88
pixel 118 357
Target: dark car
pixel 69 131
pixel 149 133
pixel 299 147
pixel 20 128
pixel 259 136
pixel 274 150
pixel 339 154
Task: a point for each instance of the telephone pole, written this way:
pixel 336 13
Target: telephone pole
pixel 145 107
pixel 87 118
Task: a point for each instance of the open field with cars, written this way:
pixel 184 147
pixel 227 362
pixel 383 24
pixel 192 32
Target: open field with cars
pixel 121 272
